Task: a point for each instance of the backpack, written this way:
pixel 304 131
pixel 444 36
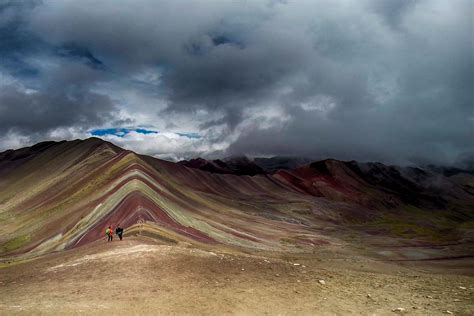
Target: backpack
pixel 107 231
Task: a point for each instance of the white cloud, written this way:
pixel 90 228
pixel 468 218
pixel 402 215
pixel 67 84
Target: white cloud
pixel 12 141
pixel 163 145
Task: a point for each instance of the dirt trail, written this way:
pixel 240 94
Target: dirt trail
pixel 143 278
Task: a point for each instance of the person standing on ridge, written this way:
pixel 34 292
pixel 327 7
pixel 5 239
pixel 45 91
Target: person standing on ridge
pixel 119 231
pixel 110 233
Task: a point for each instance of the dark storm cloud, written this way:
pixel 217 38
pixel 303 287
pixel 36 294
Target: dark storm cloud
pixel 38 112
pixel 392 11
pixel 49 87
pixel 13 16
pixel 77 52
pixel 15 41
pixel 368 80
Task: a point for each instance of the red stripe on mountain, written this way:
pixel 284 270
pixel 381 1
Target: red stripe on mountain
pixel 136 208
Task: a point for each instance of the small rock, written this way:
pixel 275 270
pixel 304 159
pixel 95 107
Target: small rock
pixel 457 300
pixel 299 281
pixel 325 298
pixel 296 264
pixel 369 296
pixel 277 275
pixel 242 269
pixel 449 312
pixel 414 307
pixel 303 266
pixel 429 296
pixel 462 288
pixel 322 282
pixel 398 310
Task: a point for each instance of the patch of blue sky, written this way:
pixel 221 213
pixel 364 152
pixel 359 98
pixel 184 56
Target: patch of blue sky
pixel 145 131
pixel 121 132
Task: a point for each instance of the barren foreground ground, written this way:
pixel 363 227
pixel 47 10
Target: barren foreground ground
pixel 140 277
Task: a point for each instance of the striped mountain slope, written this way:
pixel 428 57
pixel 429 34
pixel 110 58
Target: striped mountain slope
pixel 61 195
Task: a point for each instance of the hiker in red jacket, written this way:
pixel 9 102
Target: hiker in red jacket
pixel 110 233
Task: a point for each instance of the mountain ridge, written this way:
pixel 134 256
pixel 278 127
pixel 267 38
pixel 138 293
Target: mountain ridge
pixel 57 196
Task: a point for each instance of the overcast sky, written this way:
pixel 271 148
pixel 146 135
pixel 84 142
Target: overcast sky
pixel 369 80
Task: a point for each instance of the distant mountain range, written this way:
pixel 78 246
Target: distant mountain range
pixel 237 166
pixel 245 166
pixel 61 195
pixel 242 165
pixel 348 180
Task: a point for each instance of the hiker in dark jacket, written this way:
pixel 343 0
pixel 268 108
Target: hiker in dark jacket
pixel 119 231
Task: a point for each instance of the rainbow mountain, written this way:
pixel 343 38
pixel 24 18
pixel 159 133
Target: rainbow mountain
pixel 56 196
